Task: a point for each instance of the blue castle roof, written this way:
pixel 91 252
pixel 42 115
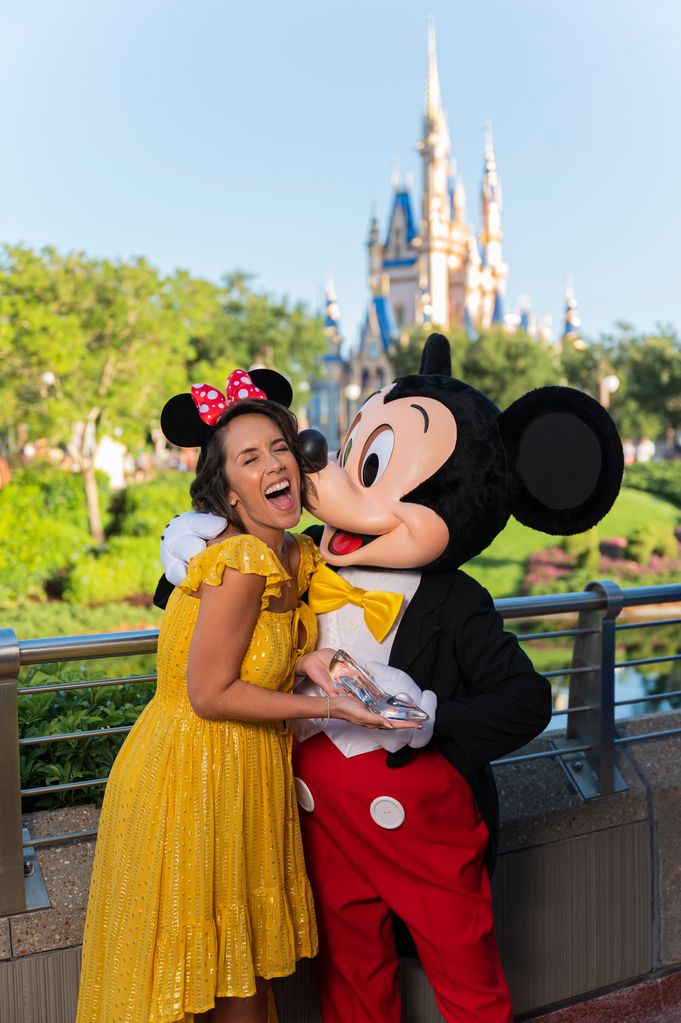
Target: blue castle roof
pixel 386 323
pixel 403 201
pixel 498 311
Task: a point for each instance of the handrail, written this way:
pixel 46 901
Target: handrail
pixel 590 728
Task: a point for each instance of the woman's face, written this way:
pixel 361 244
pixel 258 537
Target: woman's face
pixel 264 478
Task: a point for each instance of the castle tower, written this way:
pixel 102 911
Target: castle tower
pixel 375 257
pixel 495 270
pixel 437 203
pixel 572 325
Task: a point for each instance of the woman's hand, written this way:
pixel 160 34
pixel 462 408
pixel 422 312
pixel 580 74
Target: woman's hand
pixel 349 708
pixel 315 666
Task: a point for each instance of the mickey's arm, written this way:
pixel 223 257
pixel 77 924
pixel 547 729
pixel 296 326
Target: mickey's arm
pixel 506 702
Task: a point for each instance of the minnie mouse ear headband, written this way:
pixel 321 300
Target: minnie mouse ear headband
pixel 187 420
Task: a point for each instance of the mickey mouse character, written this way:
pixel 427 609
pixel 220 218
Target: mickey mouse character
pixel 427 476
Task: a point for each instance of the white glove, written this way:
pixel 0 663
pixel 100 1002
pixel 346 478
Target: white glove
pixel 395 682
pixel 185 536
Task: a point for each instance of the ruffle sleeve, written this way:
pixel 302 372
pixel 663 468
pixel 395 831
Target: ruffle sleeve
pixel 246 554
pixel 310 558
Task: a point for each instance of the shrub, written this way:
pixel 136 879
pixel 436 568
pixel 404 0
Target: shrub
pixel 144 509
pixel 585 550
pixel 63 494
pixel 660 478
pixel 125 567
pixel 43 528
pixel 72 760
pixel 34 544
pixel 651 538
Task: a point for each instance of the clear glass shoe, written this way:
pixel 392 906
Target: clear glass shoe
pixel 350 677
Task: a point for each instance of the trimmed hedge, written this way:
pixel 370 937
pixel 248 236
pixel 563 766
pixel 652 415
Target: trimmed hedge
pixel 144 509
pixel 660 478
pixel 125 567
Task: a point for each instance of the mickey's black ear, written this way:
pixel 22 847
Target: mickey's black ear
pixel 181 424
pixel 276 387
pixel 565 460
pixel 436 356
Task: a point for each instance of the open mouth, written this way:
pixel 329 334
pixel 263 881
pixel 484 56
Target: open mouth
pixel 280 495
pixel 342 542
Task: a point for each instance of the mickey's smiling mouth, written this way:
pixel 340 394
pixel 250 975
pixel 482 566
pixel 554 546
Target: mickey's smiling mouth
pixel 343 542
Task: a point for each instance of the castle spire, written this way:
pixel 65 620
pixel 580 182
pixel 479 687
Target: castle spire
pixel 332 327
pixel 490 235
pixel 433 112
pixel 573 322
pixel 437 201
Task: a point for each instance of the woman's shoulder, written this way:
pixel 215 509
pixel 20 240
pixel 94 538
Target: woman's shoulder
pixel 242 552
pixel 310 558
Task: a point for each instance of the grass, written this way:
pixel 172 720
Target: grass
pixel 501 567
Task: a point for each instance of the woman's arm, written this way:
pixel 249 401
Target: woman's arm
pixel 224 626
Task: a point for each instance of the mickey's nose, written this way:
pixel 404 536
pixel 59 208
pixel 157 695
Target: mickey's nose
pixel 314 446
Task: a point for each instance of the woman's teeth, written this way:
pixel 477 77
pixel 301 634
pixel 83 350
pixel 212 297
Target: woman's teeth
pixel 279 494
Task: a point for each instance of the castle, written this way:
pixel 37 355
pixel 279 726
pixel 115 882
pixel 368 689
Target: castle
pixel 434 270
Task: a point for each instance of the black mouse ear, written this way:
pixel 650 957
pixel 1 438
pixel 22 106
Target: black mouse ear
pixel 181 423
pixel 565 460
pixel 436 356
pixel 276 387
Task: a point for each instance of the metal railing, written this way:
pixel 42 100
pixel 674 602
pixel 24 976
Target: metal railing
pixel 587 752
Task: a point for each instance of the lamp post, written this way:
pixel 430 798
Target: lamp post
pixel 351 393
pixel 607 386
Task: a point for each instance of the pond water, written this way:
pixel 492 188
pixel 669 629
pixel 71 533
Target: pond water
pixel 630 682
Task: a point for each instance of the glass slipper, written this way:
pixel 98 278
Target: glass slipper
pixel 399 708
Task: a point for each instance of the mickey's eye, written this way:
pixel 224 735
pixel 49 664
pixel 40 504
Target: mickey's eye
pixel 347 446
pixel 376 455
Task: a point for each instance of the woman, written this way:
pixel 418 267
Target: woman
pixel 199 893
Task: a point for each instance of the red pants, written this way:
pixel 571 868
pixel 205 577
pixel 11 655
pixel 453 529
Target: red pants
pixel 429 870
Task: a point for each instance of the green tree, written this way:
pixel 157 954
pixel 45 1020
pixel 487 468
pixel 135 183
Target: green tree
pixel 248 327
pixel 648 401
pixel 87 345
pixel 504 366
pixel 405 351
pixel 581 365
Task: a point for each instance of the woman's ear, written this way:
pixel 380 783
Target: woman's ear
pixel 181 424
pixel 565 460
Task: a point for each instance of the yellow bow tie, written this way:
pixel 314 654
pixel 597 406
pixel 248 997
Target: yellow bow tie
pixel 329 591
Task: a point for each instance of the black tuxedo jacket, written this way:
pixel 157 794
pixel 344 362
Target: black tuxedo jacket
pixel 491 701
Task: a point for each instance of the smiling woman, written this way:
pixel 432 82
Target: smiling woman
pixel 199 893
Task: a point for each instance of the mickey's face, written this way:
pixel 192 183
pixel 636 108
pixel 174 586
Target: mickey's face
pixel 390 448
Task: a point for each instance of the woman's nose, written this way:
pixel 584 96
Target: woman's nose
pixel 314 447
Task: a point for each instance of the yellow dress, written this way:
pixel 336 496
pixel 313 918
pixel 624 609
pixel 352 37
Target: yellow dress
pixel 199 881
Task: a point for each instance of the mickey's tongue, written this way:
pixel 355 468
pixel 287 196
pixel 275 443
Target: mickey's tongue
pixel 345 543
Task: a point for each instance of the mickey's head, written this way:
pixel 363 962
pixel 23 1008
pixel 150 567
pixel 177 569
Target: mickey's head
pixel 430 470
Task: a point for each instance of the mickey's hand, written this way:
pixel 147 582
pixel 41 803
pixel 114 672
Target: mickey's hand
pixel 185 536
pixel 395 683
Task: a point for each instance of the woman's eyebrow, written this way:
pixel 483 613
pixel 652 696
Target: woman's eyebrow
pixel 426 420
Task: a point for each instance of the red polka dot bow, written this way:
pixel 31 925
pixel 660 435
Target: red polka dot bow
pixel 211 403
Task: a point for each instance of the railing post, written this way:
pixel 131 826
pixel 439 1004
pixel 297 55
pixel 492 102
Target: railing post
pixel 593 687
pixel 12 897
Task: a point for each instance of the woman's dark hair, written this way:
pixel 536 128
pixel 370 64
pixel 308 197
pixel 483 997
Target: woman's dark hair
pixel 210 486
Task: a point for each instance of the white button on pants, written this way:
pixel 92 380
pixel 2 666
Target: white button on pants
pixel 303 795
pixel 387 812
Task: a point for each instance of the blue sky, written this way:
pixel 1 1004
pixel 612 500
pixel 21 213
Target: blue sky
pixel 217 136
